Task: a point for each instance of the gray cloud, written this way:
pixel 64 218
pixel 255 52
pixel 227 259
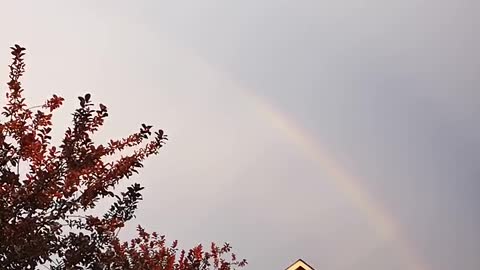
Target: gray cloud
pixel 389 88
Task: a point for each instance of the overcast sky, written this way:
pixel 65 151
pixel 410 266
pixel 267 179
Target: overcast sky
pixel 261 99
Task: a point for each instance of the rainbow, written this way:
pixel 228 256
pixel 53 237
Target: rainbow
pixel 378 217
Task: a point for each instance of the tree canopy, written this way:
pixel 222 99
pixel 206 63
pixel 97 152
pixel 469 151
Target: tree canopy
pixel 45 219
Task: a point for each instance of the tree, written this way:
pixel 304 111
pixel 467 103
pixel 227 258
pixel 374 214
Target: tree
pixel 44 220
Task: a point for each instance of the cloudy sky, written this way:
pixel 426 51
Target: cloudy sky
pixel 343 132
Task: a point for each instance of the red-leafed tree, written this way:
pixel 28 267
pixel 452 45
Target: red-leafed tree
pixel 43 211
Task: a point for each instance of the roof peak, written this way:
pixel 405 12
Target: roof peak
pixel 299 263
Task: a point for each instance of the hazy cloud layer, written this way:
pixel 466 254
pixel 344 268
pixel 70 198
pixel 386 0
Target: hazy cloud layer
pixel 390 89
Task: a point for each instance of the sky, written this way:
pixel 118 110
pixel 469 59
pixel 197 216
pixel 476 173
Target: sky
pixel 345 133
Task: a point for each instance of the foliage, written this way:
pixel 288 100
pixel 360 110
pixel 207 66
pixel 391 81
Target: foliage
pixel 43 211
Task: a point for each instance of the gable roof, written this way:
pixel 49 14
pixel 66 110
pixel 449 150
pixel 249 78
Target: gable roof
pixel 298 265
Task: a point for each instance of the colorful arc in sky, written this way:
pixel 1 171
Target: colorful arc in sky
pixel 378 217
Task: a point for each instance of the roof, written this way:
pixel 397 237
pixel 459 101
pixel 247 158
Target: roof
pixel 299 264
